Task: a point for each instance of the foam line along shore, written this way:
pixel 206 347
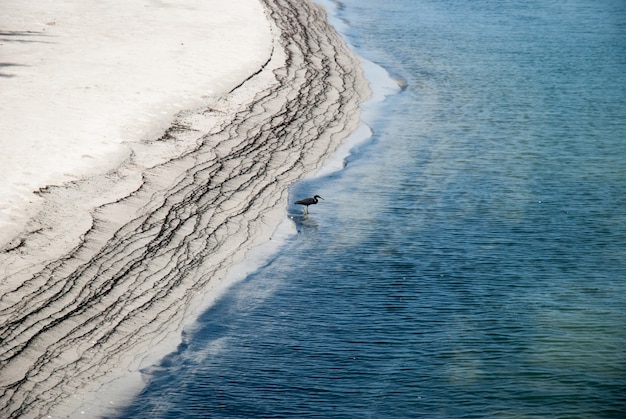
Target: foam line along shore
pixel 116 300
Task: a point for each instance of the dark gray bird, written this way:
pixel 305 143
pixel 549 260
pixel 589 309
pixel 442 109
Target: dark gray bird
pixel 308 201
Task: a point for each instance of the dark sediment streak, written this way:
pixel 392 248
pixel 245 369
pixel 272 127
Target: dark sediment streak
pixel 149 257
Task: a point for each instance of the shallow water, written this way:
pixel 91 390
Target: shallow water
pixel 469 261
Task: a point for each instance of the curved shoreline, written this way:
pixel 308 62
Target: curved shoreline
pixel 89 315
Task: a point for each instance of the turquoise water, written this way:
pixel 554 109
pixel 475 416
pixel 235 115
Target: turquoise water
pixel 469 261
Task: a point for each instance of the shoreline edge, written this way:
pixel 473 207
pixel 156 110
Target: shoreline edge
pixel 85 318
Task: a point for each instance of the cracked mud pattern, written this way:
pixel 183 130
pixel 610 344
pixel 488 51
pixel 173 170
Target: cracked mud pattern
pixel 148 257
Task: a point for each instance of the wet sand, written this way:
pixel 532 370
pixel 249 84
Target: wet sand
pixel 101 281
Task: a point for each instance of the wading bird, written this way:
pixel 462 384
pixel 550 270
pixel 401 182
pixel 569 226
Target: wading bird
pixel 308 201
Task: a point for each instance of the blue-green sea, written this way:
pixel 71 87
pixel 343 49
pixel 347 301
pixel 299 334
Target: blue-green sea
pixel 470 259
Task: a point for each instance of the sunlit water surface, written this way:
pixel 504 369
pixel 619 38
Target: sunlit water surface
pixel 469 261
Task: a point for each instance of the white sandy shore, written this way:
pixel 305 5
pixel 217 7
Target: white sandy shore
pixel 174 130
pixel 80 79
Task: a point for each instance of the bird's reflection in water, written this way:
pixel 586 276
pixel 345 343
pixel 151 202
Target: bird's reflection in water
pixel 303 222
